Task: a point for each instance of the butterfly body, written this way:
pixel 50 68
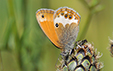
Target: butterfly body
pixel 61 26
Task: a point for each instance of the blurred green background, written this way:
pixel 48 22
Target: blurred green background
pixel 23 45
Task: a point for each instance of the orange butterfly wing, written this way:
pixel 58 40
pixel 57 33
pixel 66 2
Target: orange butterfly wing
pixel 45 20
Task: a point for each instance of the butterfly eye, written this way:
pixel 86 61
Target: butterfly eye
pixel 56 25
pixel 42 16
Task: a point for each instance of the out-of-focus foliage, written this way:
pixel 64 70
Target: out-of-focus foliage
pixel 24 47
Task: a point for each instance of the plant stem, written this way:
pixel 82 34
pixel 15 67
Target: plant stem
pixel 85 29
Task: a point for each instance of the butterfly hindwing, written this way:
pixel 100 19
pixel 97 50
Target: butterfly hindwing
pixel 66 22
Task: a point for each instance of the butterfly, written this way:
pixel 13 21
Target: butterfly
pixel 61 26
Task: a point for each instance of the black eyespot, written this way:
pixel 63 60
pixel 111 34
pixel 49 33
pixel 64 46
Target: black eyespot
pixel 62 13
pixel 66 15
pixel 42 16
pixel 56 25
pixel 58 16
pixel 70 17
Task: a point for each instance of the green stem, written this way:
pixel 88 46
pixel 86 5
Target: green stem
pixel 85 3
pixel 16 51
pixel 85 29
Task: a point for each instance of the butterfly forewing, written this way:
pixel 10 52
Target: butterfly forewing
pixel 45 20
